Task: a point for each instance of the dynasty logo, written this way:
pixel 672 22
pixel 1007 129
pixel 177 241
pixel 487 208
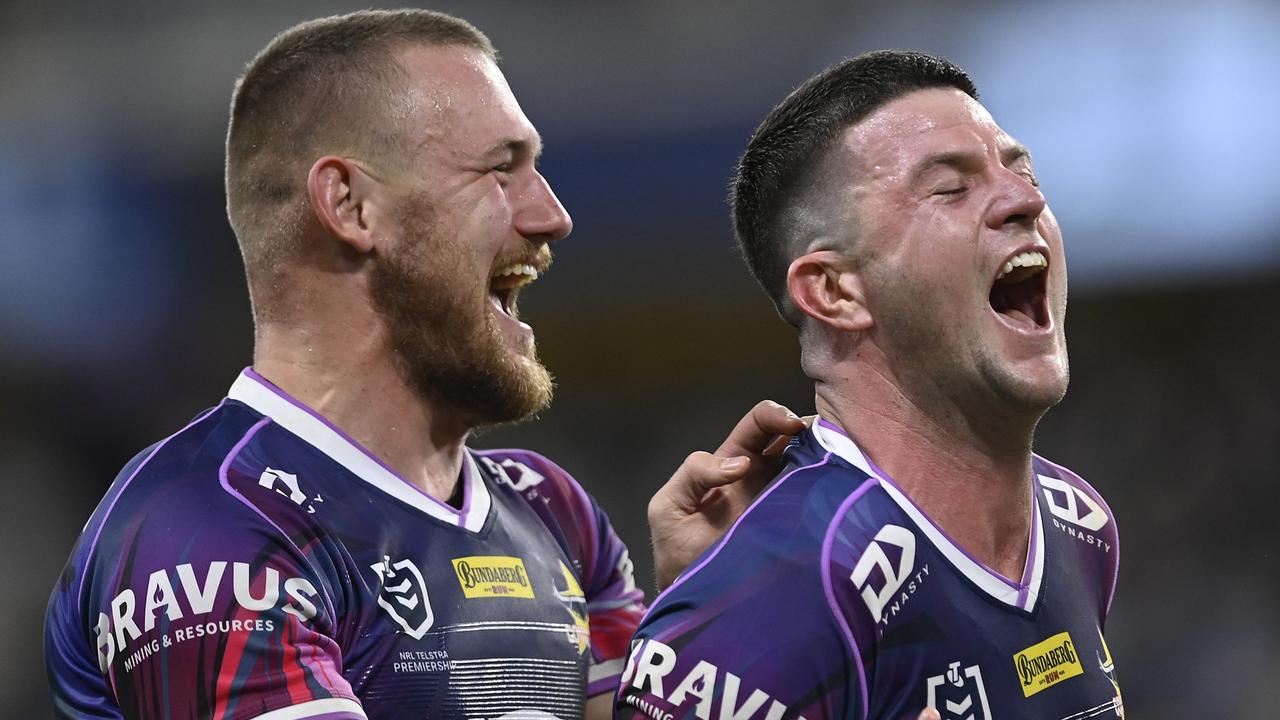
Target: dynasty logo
pixel 487 576
pixel 1047 663
pixel 899 583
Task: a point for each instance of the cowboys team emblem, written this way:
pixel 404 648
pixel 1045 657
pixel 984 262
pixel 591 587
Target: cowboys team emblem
pixel 404 596
pixel 959 695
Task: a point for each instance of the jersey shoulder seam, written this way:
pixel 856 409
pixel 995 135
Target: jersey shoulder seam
pixel 828 586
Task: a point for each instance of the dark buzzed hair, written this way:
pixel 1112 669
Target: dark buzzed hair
pixel 784 150
pixel 326 85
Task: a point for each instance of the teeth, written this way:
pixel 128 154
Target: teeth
pixel 518 269
pixel 1033 259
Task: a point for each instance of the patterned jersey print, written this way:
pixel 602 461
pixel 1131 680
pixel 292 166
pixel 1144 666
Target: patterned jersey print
pixel 835 596
pixel 259 562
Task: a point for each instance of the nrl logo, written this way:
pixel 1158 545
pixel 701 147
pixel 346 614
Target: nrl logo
pixel 960 692
pixel 404 596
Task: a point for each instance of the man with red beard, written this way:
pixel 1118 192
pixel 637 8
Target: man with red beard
pixel 322 544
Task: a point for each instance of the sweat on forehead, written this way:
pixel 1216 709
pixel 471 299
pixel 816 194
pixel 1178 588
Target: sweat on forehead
pixel 776 164
pixel 921 124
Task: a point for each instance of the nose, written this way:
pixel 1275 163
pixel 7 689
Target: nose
pixel 1019 202
pixel 540 217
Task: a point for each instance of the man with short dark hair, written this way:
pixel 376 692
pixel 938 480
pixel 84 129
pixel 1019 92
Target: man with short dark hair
pixel 914 552
pixel 322 544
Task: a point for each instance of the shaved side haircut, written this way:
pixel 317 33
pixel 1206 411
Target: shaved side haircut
pixel 331 85
pixel 777 169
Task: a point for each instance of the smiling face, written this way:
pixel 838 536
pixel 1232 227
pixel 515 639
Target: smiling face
pixel 963 268
pixel 473 221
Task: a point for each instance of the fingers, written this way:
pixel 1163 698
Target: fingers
pixel 699 473
pixel 929 714
pixel 759 432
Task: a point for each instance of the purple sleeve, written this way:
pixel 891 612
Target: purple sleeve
pixel 614 604
pixel 1107 531
pixel 182 599
pixel 747 633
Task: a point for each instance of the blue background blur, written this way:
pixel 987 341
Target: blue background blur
pixel 1154 124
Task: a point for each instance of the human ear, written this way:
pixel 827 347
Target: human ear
pixel 339 194
pixel 823 286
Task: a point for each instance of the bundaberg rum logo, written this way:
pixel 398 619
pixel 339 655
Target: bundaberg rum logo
pixel 1047 663
pixel 488 576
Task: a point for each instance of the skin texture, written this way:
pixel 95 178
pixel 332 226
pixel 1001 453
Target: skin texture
pixel 928 199
pixel 397 272
pixel 392 332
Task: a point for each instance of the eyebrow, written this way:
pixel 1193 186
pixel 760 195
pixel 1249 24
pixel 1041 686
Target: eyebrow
pixel 958 159
pixel 966 160
pixel 517 146
pixel 1015 152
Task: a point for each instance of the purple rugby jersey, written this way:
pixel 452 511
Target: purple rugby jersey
pixel 261 564
pixel 835 596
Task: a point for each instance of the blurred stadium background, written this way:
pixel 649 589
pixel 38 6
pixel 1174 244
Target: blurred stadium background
pixel 123 310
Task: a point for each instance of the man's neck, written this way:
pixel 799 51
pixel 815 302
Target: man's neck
pixel 360 390
pixel 979 492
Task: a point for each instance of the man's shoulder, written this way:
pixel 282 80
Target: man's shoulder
pixel 1072 500
pixel 1081 523
pixel 524 469
pixel 182 465
pixel 755 611
pixel 541 483
pixel 785 533
pixel 1057 477
pixel 814 492
pixel 186 496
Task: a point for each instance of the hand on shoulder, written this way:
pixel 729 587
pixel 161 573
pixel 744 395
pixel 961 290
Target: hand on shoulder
pixel 710 490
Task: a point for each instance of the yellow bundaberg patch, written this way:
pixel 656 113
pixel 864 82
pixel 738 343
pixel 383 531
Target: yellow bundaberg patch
pixel 490 576
pixel 1047 663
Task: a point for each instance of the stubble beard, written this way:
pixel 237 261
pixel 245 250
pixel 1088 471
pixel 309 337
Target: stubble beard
pixel 446 343
pixel 940 369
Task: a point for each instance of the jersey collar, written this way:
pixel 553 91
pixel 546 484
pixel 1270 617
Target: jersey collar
pixel 1022 594
pixel 289 413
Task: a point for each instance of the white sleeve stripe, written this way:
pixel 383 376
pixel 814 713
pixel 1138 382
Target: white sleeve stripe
pixel 606 669
pixel 314 708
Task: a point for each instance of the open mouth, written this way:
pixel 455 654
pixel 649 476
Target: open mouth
pixel 1018 293
pixel 505 284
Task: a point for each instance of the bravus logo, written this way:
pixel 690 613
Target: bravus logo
pixel 192 596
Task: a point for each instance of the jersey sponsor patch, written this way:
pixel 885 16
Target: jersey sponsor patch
pixel 489 576
pixel 166 602
pixel 286 484
pixel 1047 663
pixel 651 686
pixel 876 565
pixel 1072 504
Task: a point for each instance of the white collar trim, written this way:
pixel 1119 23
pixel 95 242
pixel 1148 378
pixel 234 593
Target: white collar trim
pixel 308 425
pixel 1021 595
